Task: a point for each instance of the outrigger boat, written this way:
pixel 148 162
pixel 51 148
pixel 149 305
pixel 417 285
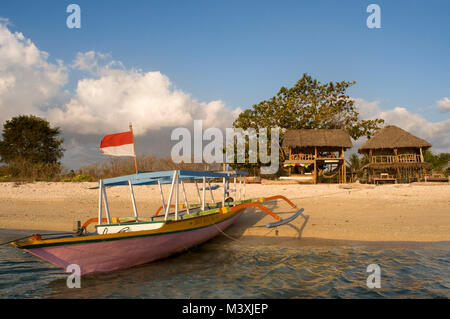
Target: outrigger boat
pixel 119 243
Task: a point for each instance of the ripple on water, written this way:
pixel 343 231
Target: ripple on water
pixel 220 270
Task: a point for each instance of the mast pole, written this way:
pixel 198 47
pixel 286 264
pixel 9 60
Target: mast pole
pixel 134 148
pixel 204 193
pixel 100 199
pixel 176 196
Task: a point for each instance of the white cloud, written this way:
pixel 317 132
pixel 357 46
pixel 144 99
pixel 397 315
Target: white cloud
pixel 444 104
pixel 366 109
pixel 107 104
pixel 105 100
pixel 437 133
pixel 28 81
pixel 95 62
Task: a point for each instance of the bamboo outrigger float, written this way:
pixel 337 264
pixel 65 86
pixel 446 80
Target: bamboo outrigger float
pixel 119 243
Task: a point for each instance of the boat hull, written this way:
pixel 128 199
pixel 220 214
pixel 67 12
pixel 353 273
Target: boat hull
pixel 106 256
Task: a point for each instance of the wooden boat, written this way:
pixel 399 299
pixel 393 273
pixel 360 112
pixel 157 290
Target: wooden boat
pixel 119 243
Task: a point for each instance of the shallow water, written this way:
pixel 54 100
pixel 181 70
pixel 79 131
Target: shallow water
pixel 227 269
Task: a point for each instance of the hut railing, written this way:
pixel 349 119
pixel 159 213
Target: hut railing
pixel 403 158
pixel 302 157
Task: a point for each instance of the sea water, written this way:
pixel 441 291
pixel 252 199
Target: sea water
pixel 224 268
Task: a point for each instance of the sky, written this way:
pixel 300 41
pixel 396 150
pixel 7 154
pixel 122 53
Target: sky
pixel 163 64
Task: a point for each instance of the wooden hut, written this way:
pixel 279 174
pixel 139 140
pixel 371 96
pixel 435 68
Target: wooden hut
pixel 316 152
pixel 395 155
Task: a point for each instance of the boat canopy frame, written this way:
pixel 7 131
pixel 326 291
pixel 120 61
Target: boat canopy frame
pixel 175 178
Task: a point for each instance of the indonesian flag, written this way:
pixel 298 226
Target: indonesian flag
pixel 120 144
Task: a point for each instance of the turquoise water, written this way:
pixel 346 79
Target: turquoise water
pixel 223 268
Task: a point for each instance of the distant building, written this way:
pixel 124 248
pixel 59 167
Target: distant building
pixel 395 155
pixel 311 152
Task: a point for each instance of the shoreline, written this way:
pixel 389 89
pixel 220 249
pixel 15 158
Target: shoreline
pixel 285 242
pixel 351 212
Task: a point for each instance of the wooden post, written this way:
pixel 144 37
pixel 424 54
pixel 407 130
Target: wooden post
pixel 345 167
pixel 396 161
pixel 315 165
pixel 134 149
pixel 344 173
pixel 421 155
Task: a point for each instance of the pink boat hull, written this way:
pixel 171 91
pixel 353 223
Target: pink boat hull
pixel 113 255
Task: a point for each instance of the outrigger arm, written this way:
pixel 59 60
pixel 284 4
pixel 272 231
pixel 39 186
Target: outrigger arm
pixel 279 221
pixel 257 203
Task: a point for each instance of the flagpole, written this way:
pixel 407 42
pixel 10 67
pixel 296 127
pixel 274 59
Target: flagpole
pixel 134 148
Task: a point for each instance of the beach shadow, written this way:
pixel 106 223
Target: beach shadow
pixel 300 230
pixel 253 219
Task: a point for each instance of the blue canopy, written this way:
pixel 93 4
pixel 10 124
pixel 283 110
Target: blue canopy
pixel 165 177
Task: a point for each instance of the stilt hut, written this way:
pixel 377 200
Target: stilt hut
pixel 312 153
pixel 395 155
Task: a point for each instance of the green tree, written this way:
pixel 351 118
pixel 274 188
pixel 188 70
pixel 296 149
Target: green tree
pixel 364 160
pixel 310 104
pixel 355 162
pixel 439 161
pixel 28 139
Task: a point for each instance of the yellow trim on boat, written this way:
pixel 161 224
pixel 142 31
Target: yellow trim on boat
pixel 167 227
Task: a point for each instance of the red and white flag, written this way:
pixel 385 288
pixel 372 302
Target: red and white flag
pixel 120 144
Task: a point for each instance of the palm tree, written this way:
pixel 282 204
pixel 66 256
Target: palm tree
pixel 355 164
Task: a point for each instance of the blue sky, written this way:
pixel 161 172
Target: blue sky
pixel 241 52
pixel 244 51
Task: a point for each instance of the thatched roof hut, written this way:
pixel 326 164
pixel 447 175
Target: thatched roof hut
pixel 324 138
pixel 393 137
pixel 393 150
pixel 316 147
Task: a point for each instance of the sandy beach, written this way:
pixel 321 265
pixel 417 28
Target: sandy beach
pixel 414 212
